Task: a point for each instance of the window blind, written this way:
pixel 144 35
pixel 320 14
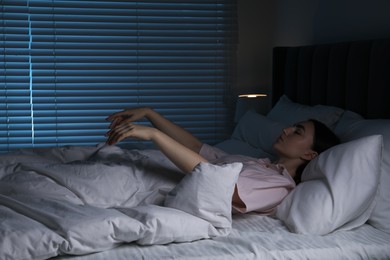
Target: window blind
pixel 67 65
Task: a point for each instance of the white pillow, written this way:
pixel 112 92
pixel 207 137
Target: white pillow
pixel 258 131
pixel 207 192
pixel 337 190
pixel 289 112
pixel 352 126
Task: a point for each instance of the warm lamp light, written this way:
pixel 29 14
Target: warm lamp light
pixel 251 95
pixel 247 102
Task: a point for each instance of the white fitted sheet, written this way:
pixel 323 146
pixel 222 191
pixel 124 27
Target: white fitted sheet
pixel 261 237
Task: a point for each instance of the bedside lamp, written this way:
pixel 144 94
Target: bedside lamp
pixel 247 102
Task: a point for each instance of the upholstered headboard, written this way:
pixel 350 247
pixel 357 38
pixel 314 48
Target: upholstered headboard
pixel 350 75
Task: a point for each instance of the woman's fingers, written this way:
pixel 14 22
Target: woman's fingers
pixel 116 121
pixel 126 116
pixel 120 126
pixel 119 133
pixel 117 114
pixel 124 119
pixel 113 136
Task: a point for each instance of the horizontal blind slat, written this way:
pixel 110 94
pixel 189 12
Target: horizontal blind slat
pixel 66 65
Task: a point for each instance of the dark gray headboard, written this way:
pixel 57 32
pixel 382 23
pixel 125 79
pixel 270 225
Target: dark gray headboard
pixel 350 75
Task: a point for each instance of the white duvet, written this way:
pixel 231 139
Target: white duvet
pixel 79 200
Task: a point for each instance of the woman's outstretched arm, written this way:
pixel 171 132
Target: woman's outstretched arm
pixel 183 157
pixel 167 127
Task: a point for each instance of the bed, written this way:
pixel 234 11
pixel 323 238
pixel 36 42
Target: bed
pixel 73 202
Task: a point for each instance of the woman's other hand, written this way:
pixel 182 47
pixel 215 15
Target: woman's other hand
pixel 127 116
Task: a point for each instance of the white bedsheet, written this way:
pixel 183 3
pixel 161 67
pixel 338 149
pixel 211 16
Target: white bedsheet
pixel 261 237
pixel 81 200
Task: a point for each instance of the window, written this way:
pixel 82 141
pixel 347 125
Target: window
pixel 66 65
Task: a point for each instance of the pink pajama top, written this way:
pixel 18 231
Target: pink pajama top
pixel 261 185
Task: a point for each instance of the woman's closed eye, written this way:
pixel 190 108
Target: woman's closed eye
pixel 299 129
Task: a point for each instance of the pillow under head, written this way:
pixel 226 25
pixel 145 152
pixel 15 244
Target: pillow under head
pixel 338 189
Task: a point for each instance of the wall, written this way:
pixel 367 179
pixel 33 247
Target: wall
pixel 322 21
pixel 256 34
pixel 267 23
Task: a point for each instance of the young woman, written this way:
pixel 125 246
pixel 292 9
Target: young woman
pixel 261 185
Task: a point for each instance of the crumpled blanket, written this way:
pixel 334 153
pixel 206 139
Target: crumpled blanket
pixel 80 200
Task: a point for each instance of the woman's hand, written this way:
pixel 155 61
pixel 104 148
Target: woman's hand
pixel 127 116
pixel 125 130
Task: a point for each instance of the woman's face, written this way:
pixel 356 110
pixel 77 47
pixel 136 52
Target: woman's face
pixel 296 141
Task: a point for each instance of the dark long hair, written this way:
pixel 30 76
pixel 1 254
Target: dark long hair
pixel 323 139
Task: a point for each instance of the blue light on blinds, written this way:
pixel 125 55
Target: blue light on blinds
pixel 31 82
pixel 66 65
